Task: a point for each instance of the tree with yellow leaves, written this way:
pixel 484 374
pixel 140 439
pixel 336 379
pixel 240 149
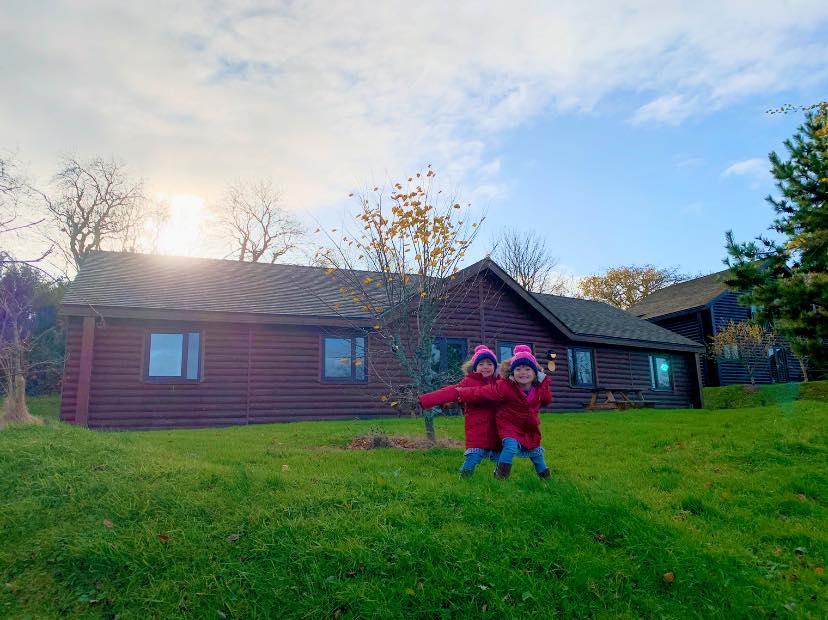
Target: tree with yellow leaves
pixel 397 271
pixel 625 286
pixel 745 343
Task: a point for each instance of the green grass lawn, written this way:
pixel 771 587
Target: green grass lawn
pixel 281 521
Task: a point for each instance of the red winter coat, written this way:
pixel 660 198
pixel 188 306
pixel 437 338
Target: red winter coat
pixel 517 415
pixel 481 428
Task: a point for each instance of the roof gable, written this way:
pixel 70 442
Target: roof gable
pixel 684 296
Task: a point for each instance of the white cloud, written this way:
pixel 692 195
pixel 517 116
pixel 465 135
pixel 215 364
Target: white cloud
pixel 667 109
pixel 756 168
pixel 321 96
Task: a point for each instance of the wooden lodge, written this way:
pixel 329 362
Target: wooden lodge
pixel 161 342
pixel 697 309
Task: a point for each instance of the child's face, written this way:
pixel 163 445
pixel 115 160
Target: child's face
pixel 485 368
pixel 524 375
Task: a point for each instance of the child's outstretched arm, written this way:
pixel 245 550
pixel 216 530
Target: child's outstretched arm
pixel 481 394
pixel 438 398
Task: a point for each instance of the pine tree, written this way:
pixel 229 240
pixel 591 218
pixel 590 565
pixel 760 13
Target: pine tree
pixel 787 281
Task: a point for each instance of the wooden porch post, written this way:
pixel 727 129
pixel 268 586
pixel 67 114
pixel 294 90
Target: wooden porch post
pixel 85 373
pixel 699 383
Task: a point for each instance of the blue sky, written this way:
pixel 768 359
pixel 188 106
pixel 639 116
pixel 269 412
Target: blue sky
pixel 607 192
pixel 627 132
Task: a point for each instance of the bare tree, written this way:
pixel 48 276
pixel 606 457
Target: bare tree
pixel 525 255
pixel 94 203
pixel 626 286
pixel 399 270
pixel 14 191
pixel 145 229
pixel 261 229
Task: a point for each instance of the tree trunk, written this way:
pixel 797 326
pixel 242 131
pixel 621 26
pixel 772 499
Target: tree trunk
pixel 804 370
pixel 15 410
pixel 428 418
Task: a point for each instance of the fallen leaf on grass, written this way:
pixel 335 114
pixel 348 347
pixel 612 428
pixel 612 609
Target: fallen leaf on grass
pixel 484 608
pixel 233 537
pixel 107 524
pixel 164 538
pixel 409 592
pixel 819 570
pixel 600 538
pixel 285 467
pixel 669 577
pixel 99 467
pixel 777 552
pixel 801 497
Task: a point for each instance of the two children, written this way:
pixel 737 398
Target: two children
pixel 514 399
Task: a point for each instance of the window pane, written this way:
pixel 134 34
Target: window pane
pixel 435 354
pixel 166 354
pixel 338 358
pixel 583 368
pixel 661 372
pixel 455 352
pixel 359 359
pixel 193 355
pixel 571 366
pixel 504 351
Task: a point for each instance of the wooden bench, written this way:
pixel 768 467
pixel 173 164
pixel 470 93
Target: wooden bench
pixel 618 399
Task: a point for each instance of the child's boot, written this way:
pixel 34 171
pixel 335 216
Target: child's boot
pixel 503 470
pixel 545 474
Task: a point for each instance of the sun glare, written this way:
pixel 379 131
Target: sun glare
pixel 182 232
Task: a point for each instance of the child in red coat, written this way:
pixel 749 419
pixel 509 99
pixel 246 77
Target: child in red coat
pixel 482 440
pixel 518 394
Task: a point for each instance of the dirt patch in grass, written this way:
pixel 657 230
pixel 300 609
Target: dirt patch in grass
pixel 375 440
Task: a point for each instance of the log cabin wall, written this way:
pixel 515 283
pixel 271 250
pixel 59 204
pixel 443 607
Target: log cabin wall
pixel 260 373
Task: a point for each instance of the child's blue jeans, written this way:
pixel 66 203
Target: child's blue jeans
pixel 513 448
pixel 474 456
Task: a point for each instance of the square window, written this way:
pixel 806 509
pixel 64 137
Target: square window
pixel 581 367
pixel 173 356
pixel 506 348
pixel 447 354
pixel 344 359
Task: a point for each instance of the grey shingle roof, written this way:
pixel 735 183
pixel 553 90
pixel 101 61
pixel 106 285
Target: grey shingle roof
pixel 148 282
pixel 682 296
pixel 125 280
pixel 598 319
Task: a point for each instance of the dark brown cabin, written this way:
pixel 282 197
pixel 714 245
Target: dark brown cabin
pixel 160 342
pixel 698 309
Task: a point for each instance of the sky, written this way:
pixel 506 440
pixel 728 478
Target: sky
pixel 624 132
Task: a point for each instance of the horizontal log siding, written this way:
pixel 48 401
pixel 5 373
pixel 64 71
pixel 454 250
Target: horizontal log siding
pixel 692 326
pixel 285 385
pixel 727 308
pixel 269 373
